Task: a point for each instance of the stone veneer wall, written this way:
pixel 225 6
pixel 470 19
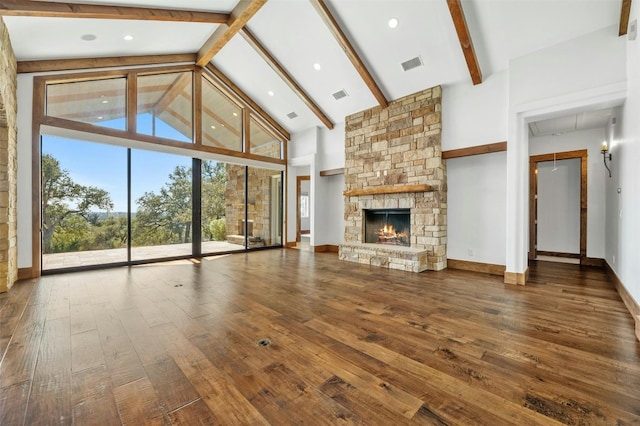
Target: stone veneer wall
pixel 259 195
pixel 398 146
pixel 8 162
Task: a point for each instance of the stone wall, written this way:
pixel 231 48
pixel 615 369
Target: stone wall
pixel 398 146
pixel 8 162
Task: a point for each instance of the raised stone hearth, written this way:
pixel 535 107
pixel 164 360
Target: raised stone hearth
pixel 393 161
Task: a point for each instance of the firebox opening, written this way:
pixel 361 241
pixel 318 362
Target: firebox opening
pixel 388 226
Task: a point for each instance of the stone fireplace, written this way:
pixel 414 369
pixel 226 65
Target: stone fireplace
pixel 394 173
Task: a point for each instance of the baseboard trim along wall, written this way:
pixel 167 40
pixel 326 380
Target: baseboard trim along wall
pixel 519 278
pixel 326 248
pixel 25 273
pixel 466 265
pixel 290 244
pixel 630 303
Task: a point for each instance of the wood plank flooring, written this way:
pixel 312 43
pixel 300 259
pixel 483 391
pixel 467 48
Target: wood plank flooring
pixel 349 344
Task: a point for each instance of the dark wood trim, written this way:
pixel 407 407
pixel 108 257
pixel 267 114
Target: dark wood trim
pixel 198 107
pixel 326 248
pixel 632 305
pixel 346 46
pixel 26 273
pixel 290 244
pixel 219 75
pixel 474 150
pixel 240 15
pixel 516 278
pixel 89 128
pixel 466 43
pixel 625 10
pixel 332 172
pixel 36 204
pixel 582 154
pixel 466 265
pixel 132 103
pixel 390 190
pixel 594 261
pixel 299 180
pixel 93 63
pixel 558 254
pixel 94 11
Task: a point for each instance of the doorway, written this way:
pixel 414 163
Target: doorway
pixel 558 206
pixel 303 210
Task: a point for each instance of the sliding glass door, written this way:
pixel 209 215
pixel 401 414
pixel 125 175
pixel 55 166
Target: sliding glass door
pixel 84 203
pixel 105 204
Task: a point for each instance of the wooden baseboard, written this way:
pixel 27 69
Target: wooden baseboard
pixel 592 261
pixel 466 265
pixel 290 244
pixel 519 278
pixel 632 306
pixel 26 273
pixel 326 248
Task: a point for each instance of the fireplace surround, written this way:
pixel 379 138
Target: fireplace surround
pixel 393 161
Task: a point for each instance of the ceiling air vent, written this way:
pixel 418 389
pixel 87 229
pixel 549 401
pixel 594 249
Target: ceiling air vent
pixel 412 63
pixel 292 115
pixel 340 94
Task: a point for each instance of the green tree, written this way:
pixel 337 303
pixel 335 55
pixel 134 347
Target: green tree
pixel 214 186
pixel 67 202
pixel 165 217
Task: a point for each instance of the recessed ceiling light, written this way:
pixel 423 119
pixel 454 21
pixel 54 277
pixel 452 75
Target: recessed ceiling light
pixel 100 118
pixel 235 114
pixel 213 127
pixel 88 37
pixel 316 67
pixel 128 37
pixel 393 22
pixel 105 101
pixel 270 93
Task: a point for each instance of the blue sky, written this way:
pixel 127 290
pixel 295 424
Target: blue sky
pixel 105 166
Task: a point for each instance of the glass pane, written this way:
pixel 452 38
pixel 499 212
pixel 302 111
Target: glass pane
pixel 84 203
pixel 165 106
pixel 265 206
pixel 161 204
pixel 221 119
pixel 222 203
pixel 263 142
pixel 98 102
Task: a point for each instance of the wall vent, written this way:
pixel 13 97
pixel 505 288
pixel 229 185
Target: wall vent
pixel 292 115
pixel 340 94
pixel 412 63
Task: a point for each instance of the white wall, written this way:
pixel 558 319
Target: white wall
pixel 476 208
pixel 25 108
pixel 302 149
pixel 558 201
pixel 597 175
pixel 475 115
pixel 585 72
pixel 623 209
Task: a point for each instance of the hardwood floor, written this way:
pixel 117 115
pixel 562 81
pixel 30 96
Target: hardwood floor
pixel 179 344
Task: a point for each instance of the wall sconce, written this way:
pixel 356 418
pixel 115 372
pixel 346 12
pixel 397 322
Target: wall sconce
pixel 605 151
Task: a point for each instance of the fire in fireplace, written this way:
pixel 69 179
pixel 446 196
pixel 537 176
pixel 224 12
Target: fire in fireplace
pixel 388 226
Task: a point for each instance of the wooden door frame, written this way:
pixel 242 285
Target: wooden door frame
pixel 533 211
pixel 299 180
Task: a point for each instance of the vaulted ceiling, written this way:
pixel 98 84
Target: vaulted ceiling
pixel 318 59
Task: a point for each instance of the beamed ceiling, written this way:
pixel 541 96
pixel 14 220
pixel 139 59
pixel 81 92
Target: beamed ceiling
pixel 268 48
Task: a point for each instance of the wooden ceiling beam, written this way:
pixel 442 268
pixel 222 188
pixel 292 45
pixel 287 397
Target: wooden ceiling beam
pixel 460 23
pixel 284 75
pixel 624 17
pixel 74 10
pixel 347 47
pixel 240 15
pixel 91 63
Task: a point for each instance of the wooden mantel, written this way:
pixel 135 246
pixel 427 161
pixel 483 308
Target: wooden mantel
pixel 390 190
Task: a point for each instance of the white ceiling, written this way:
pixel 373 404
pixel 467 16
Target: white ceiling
pixel 296 36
